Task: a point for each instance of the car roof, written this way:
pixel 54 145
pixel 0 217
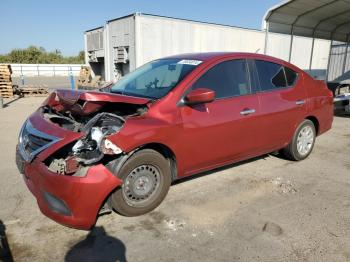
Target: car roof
pixel 208 56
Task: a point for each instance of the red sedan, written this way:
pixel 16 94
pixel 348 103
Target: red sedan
pixel 171 118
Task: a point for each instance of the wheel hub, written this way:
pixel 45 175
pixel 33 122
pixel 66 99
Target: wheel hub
pixel 141 184
pixel 305 140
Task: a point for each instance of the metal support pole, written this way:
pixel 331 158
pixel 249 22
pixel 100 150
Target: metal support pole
pixel 22 79
pixel 312 53
pixel 266 37
pixel 22 76
pixel 72 84
pixel 291 45
pixel 329 59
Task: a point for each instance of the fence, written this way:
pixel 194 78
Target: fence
pixel 339 62
pixel 45 69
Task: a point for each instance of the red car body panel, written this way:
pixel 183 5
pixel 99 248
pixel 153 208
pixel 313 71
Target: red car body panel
pixel 200 137
pixel 94 188
pixel 320 103
pixel 100 97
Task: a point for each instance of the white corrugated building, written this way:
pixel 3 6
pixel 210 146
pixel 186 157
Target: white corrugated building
pixel 128 42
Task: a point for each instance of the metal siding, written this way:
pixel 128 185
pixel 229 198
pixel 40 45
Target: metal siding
pixel 321 51
pixel 85 50
pixel 94 39
pixel 120 33
pixel 160 36
pixel 278 46
pixel 327 19
pixel 107 57
pixel 338 66
pixel 150 37
pixel 301 51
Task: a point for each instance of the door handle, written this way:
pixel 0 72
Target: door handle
pixel 300 102
pixel 247 112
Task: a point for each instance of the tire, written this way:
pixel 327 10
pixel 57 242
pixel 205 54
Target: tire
pixel 146 179
pixel 295 152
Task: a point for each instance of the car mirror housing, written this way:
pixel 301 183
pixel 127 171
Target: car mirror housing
pixel 200 96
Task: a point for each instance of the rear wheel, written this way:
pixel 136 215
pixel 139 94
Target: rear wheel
pixel 302 143
pixel 146 180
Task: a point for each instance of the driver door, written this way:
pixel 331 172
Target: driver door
pixel 226 129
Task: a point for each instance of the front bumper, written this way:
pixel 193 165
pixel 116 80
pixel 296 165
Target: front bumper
pixel 82 196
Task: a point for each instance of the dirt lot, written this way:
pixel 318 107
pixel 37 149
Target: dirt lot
pixel 266 209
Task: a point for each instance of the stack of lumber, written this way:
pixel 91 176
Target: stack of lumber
pixel 86 81
pixel 93 84
pixel 6 90
pixel 84 75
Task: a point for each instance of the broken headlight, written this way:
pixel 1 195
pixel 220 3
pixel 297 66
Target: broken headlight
pixel 95 144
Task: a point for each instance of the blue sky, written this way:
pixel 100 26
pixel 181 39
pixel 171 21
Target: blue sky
pixel 61 24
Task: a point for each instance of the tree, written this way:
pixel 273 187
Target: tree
pixel 38 55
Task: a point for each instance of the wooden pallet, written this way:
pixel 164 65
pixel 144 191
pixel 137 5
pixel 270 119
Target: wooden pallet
pixel 6 68
pixel 33 91
pixel 6 92
pixel 6 89
pixel 6 95
pixel 84 75
pixel 5 78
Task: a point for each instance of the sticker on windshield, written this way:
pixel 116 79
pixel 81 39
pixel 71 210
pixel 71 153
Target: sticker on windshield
pixel 190 62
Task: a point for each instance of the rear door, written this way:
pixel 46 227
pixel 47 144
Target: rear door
pixel 282 100
pixel 227 128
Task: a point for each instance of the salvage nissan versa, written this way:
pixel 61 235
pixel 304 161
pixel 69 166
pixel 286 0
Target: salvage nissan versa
pixel 171 118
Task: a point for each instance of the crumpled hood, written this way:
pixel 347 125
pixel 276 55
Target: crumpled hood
pixel 88 102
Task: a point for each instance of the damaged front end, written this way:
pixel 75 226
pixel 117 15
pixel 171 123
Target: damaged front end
pixel 96 116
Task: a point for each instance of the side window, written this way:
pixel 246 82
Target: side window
pixel 291 76
pixel 227 79
pixel 271 75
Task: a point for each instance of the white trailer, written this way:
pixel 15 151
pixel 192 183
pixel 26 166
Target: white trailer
pixel 94 40
pixel 131 41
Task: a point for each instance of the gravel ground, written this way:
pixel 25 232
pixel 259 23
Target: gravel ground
pixel 265 209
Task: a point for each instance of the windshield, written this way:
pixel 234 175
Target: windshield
pixel 154 79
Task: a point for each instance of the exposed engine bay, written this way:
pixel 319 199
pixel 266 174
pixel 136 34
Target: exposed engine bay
pixel 97 120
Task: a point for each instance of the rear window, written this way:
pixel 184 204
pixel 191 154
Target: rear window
pixel 291 76
pixel 271 75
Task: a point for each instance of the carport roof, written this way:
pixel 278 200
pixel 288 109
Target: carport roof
pixel 325 19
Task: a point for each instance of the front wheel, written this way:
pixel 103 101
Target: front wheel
pixel 302 143
pixel 146 180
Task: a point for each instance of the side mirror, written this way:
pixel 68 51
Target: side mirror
pixel 200 96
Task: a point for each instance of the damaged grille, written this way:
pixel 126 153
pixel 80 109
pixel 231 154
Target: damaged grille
pixel 32 141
